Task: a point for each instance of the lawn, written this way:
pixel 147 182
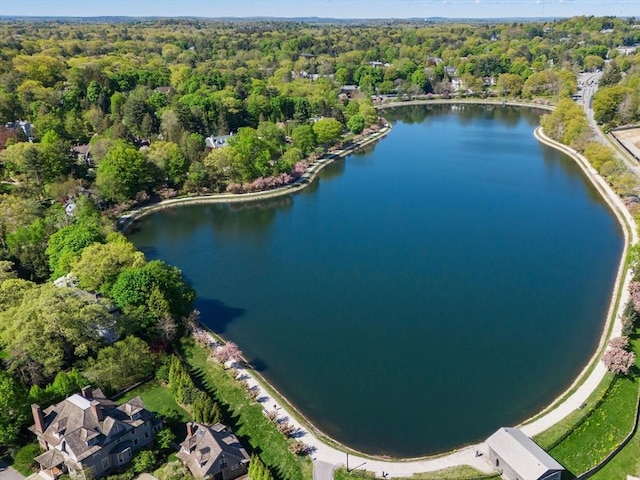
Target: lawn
pixel 156 398
pixel 603 428
pixel 454 473
pixel 245 417
pixel 627 462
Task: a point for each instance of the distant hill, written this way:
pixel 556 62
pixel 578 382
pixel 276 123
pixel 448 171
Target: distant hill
pixel 310 20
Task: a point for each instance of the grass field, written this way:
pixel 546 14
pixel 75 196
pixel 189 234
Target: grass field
pixel 599 432
pixel 258 434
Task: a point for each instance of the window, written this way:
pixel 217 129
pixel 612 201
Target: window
pixel 135 441
pixel 120 458
pixel 146 434
pixel 105 463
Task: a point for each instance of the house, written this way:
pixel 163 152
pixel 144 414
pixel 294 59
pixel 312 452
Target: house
pixel 213 452
pixel 83 153
pixel 457 84
pixel 627 50
pixel 348 92
pixel 88 435
pixel 217 141
pixel 518 457
pixel 22 125
pixel 164 90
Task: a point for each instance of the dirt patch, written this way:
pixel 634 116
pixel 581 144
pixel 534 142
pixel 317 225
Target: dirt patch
pixel 630 139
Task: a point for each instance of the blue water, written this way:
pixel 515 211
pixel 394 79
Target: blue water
pixel 449 281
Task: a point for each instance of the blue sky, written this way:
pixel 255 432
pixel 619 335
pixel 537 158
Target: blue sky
pixel 324 8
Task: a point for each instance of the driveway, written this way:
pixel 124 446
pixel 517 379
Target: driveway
pixel 9 473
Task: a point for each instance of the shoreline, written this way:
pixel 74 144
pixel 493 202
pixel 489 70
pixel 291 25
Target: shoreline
pixel 125 221
pixel 329 450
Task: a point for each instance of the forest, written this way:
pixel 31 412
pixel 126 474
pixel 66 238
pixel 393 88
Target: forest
pixel 97 118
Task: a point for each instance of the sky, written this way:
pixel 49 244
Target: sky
pixel 323 8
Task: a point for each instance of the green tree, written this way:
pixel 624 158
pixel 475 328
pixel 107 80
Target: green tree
pixel 356 123
pixel 100 264
pixel 14 405
pixel 169 159
pixel 251 155
pixel 328 131
pixel 27 245
pixel 510 85
pixel 121 365
pixel 304 138
pixel 149 292
pixel 122 173
pixel 16 212
pixel 606 102
pixel 258 470
pixel 66 245
pixel 50 327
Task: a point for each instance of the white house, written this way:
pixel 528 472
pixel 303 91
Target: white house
pixel 518 457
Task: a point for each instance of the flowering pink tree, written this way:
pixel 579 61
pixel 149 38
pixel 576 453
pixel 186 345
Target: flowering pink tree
pixel 619 342
pixel 228 351
pixel 618 360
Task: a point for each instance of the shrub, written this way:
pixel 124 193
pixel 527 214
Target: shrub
pixel 174 471
pixel 165 438
pixel 23 460
pixel 144 461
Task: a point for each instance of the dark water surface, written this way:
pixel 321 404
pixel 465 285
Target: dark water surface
pixel 451 280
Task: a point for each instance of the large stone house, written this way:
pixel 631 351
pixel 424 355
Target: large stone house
pixel 213 452
pixel 517 457
pixel 87 435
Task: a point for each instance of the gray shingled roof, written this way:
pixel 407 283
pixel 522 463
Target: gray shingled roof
pixel 74 422
pixel 522 454
pixel 206 445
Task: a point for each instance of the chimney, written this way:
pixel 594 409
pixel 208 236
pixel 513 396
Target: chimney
pixel 38 417
pixel 96 408
pixel 87 392
pixel 189 429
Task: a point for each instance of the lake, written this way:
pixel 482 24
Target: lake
pixel 453 279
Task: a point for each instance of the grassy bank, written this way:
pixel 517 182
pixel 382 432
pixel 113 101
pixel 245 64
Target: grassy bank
pixel 458 473
pixel 587 436
pixel 245 417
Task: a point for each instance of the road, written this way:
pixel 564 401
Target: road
pixel 590 83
